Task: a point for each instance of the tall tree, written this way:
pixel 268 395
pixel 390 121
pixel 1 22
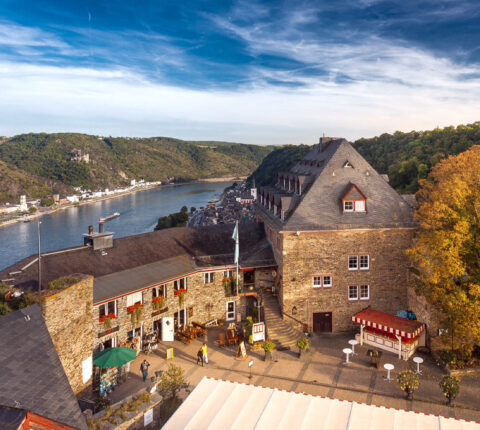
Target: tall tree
pixel 447 250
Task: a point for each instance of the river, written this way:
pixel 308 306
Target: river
pixel 139 213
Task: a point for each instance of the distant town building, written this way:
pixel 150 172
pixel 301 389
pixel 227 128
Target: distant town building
pixel 23 204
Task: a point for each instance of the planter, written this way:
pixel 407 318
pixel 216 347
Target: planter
pixel 409 392
pixel 268 356
pixel 160 311
pixel 450 401
pixel 111 330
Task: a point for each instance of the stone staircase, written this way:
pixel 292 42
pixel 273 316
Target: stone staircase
pixel 278 331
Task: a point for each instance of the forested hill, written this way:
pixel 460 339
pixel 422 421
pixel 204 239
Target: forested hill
pixel 15 182
pixel 405 157
pixel 408 157
pixel 115 161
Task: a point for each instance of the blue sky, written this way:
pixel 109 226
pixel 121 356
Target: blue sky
pixel 257 72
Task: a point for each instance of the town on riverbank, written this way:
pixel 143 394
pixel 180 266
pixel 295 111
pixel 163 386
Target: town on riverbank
pixel 29 209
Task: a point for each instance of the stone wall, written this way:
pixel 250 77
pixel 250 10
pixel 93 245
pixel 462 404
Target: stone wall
pixel 425 313
pixel 68 316
pixel 207 302
pixel 326 253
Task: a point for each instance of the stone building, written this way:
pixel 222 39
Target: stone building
pixel 140 269
pixel 338 232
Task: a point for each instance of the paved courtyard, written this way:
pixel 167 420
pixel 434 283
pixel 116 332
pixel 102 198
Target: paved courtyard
pixel 321 371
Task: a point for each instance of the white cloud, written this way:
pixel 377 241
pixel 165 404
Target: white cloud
pixel 18 36
pixel 118 102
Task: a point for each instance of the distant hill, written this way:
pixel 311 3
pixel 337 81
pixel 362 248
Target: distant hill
pixel 405 157
pixel 115 161
pixel 15 182
pixel 279 160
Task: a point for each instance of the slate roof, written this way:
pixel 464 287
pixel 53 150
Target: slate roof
pixel 144 257
pixel 319 207
pixel 32 373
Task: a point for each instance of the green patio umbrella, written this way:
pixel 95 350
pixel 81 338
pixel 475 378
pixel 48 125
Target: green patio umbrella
pixel 114 357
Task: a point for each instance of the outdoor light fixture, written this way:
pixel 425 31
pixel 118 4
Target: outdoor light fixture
pixel 294 310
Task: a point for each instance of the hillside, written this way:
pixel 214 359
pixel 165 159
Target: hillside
pixel 405 157
pixel 279 160
pixel 408 157
pixel 114 161
pixel 15 182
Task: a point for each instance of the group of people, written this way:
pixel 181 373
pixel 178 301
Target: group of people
pixel 202 356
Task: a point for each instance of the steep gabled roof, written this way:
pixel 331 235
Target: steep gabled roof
pixel 319 209
pixel 32 374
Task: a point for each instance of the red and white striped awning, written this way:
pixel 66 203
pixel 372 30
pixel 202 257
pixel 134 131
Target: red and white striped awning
pixel 389 324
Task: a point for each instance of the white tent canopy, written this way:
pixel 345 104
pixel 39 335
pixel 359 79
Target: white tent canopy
pixel 217 404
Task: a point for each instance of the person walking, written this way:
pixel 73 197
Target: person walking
pixel 205 353
pixel 200 356
pixel 144 369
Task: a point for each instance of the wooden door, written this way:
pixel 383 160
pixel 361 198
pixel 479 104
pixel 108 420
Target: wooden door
pixel 322 322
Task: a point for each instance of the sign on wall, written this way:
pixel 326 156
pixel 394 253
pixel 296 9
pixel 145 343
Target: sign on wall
pixel 86 369
pixel 148 417
pixel 258 332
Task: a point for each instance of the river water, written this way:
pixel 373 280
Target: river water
pixel 139 213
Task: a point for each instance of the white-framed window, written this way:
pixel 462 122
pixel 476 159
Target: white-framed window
pixel 107 308
pixel 160 290
pixel 134 298
pixel 364 292
pixel 348 206
pixel 353 262
pixel 179 284
pixel 364 262
pixel 359 205
pixel 325 281
pixel 353 292
pixel 208 277
pixel 228 273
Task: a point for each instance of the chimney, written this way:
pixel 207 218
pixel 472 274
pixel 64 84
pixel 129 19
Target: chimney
pixel 90 230
pixel 324 142
pixel 100 227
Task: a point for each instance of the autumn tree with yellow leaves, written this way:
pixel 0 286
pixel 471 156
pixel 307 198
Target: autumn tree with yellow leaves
pixel 446 253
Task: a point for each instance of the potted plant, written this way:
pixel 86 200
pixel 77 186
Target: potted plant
pixel 408 382
pixel 181 296
pixel 302 345
pixel 135 312
pixel 268 347
pixel 450 387
pixel 107 320
pixel 158 303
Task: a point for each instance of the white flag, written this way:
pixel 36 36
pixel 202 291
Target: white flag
pixel 235 238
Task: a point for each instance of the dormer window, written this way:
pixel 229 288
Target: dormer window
pixel 354 200
pixel 348 205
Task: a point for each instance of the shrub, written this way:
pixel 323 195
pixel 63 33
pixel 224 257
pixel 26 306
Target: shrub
pixel 173 380
pixel 302 343
pixel 64 282
pixel 407 380
pixel 450 386
pixel 268 346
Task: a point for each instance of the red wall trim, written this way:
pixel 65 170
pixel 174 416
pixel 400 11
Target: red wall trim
pixel 180 277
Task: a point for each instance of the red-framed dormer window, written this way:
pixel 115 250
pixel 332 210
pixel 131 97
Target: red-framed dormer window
pixel 354 200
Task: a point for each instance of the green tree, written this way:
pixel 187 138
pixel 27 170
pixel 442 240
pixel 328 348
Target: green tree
pixel 32 209
pixel 447 250
pixel 173 380
pixel 46 202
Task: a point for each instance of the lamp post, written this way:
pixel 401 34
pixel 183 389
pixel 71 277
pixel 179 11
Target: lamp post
pixel 39 264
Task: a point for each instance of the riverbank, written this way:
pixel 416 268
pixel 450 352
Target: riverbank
pixel 42 212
